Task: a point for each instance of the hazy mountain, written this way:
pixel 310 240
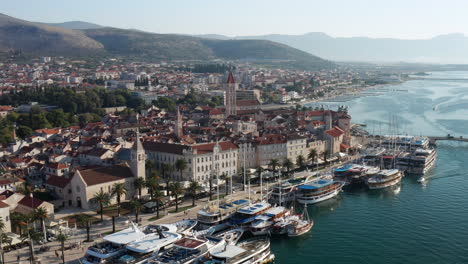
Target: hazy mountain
pixel 181 47
pixel 452 48
pixel 76 25
pixel 29 37
pixel 43 39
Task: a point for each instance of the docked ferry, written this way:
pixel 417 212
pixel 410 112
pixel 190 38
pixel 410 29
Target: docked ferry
pixel 384 179
pixel 283 192
pixel 251 251
pixel 263 224
pixel 319 191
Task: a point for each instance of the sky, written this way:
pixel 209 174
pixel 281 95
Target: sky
pixel 406 19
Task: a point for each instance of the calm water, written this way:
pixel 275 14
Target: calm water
pixel 410 224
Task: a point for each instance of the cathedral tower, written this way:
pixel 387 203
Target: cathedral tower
pixel 231 87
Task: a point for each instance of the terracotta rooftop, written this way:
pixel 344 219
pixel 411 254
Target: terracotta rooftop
pixel 57 181
pixel 30 202
pixel 164 147
pixel 105 174
pixel 207 148
pixel 335 132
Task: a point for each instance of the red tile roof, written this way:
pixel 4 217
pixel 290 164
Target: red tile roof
pixel 57 166
pixel 3 205
pixel 207 148
pixel 57 181
pixel 335 132
pixel 230 78
pixel 272 139
pixel 105 174
pixel 28 202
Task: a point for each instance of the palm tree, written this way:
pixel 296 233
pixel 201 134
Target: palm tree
pixel 181 165
pixel 62 238
pixel 18 221
pixel 176 190
pixel 313 155
pixel 192 191
pixel 225 178
pixel 118 190
pixel 103 199
pixel 274 165
pixel 300 160
pixel 139 185
pixel 325 156
pixel 168 169
pixel 32 237
pixel 41 214
pixel 84 220
pixel 137 207
pixel 158 197
pixel 287 163
pixel 149 168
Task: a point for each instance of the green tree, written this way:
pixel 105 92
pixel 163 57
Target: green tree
pixel 42 214
pixel 192 191
pixel 300 161
pixel 119 190
pixel 24 132
pixel 181 165
pixel 166 103
pixel 287 163
pixel 84 220
pixel 167 170
pixel 325 156
pixel 313 155
pixel 177 191
pixel 137 207
pixel 274 165
pixel 102 199
pixel 62 238
pixel 139 185
pixel 225 178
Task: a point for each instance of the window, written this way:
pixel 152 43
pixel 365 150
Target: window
pixel 78 188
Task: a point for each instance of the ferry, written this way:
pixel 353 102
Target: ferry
pixel 147 248
pixel 251 251
pixel 319 191
pixel 384 179
pixel 263 224
pixel 283 192
pixel 422 161
pixel 355 173
pixel 189 250
pixel 246 215
pixel 217 213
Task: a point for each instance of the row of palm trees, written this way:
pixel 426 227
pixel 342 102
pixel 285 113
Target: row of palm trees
pixel 300 162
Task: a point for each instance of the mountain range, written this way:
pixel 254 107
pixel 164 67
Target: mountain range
pixel 79 38
pixel 451 48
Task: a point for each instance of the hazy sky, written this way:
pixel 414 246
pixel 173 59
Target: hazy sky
pixel 410 19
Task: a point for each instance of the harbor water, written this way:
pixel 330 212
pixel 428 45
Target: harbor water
pixel 412 223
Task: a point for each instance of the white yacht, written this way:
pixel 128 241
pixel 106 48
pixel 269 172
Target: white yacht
pixel 319 191
pixel 384 179
pixel 422 161
pixel 263 223
pixel 252 251
pixel 147 248
pixel 283 192
pixel 189 250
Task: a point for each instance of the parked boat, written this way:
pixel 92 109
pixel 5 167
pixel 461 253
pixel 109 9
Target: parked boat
pixel 189 250
pixel 263 224
pixel 231 236
pixel 251 251
pixel 246 215
pixel 319 191
pixel 384 179
pixel 302 226
pixel 283 192
pixel 280 227
pixel 216 213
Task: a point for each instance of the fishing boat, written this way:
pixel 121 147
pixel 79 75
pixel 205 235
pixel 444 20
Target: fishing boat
pixel 302 226
pixel 384 179
pixel 189 250
pixel 319 191
pixel 217 213
pixel 263 224
pixel 251 251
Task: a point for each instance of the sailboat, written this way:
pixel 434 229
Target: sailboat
pixel 301 226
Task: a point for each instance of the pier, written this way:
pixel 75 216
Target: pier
pixel 433 140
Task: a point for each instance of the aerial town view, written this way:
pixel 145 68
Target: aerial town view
pixel 240 132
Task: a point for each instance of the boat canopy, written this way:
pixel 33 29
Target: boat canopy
pixel 316 185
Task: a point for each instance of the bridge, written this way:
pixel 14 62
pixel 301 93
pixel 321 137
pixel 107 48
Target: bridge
pixel 433 140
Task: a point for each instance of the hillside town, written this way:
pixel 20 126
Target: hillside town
pixel 163 147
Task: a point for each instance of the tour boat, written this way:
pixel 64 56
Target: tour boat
pixel 283 192
pixel 189 250
pixel 422 161
pixel 148 247
pixel 263 223
pixel 353 174
pixel 217 213
pixel 251 251
pixel 246 215
pixel 319 191
pixel 384 179
pixel 302 226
